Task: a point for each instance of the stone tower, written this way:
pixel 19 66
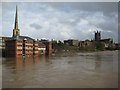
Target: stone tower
pixel 16 32
pixel 97 36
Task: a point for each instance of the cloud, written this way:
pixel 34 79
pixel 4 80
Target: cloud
pixel 35 26
pixel 62 20
pixel 0 18
pixel 60 1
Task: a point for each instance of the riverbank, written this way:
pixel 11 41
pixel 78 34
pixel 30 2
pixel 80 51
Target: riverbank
pixel 74 53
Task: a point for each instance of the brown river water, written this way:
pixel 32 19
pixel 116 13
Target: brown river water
pixel 83 70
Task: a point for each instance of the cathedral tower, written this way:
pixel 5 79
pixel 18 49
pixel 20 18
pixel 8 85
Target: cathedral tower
pixel 97 36
pixel 16 30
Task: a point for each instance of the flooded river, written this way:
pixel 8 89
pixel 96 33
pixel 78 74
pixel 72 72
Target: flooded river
pixel 83 70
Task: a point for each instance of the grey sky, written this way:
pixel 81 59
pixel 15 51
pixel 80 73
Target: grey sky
pixel 60 20
pixel 60 0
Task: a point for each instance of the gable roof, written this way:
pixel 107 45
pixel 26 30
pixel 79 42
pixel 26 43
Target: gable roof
pixel 26 37
pixel 22 38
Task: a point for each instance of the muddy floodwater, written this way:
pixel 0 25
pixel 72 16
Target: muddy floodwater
pixel 82 70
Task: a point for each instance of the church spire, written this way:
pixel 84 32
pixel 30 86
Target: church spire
pixel 16 30
pixel 16 19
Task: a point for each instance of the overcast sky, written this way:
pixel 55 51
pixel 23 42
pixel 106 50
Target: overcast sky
pixel 60 20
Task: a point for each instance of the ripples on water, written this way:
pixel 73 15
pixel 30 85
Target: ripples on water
pixel 83 70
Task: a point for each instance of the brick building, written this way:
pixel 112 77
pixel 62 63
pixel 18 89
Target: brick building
pixel 2 45
pixel 41 48
pixel 21 47
pixel 48 46
pixel 13 48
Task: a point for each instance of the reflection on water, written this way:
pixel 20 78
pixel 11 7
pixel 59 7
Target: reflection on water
pixel 83 70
